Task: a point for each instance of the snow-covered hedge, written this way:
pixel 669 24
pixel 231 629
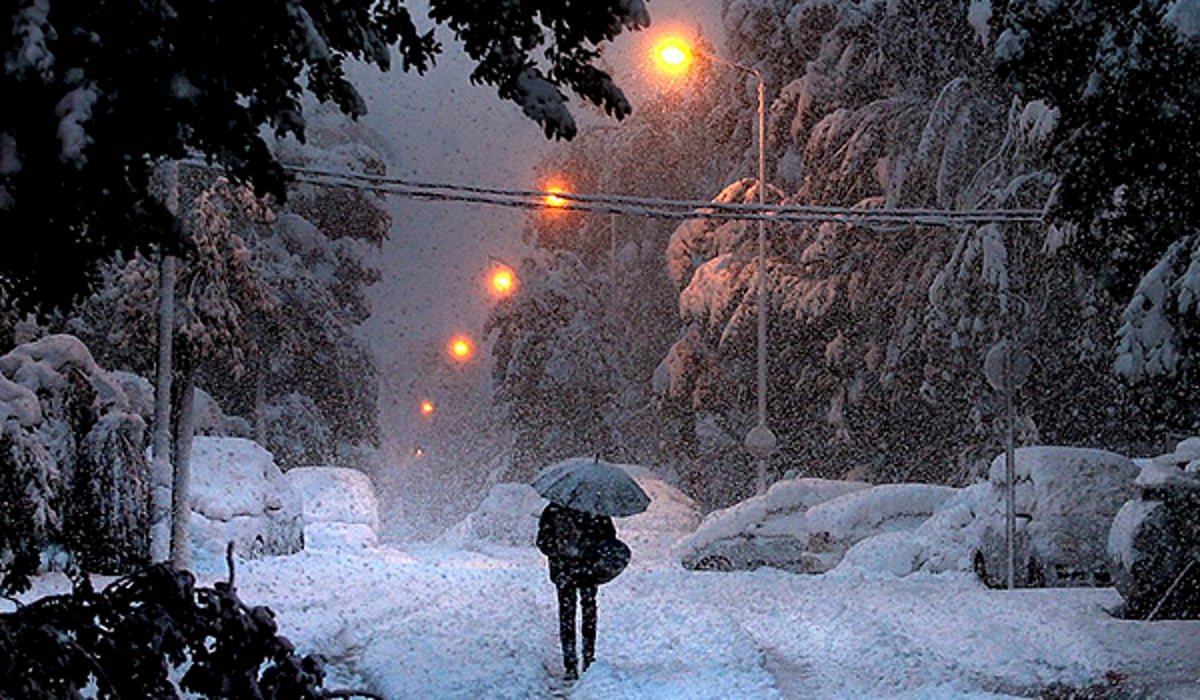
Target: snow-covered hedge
pixel 73 470
pixel 340 507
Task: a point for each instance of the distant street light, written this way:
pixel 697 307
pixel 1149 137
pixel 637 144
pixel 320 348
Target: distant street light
pixel 502 281
pixel 673 56
pixel 460 348
pixel 427 408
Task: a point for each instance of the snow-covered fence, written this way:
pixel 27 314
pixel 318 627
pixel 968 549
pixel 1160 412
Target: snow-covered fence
pixel 73 471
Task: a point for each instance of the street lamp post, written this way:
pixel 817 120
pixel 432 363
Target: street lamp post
pixel 760 442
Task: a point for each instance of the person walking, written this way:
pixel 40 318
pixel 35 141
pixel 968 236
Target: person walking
pixel 572 541
pixel 576 533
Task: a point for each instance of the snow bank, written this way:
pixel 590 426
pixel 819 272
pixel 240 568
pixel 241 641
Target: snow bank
pixel 672 515
pixel 339 505
pixel 239 495
pixel 508 515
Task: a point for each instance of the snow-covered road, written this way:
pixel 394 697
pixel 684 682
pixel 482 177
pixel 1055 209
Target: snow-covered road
pixel 424 621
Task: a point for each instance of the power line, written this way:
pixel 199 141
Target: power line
pixel 650 207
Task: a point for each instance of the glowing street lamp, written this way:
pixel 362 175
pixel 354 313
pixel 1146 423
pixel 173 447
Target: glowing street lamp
pixel 553 198
pixel 673 56
pixel 427 408
pixel 460 348
pixel 502 281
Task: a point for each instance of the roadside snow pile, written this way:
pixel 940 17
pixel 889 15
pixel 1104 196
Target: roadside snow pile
pixel 339 505
pixel 653 535
pixel 508 516
pixel 239 495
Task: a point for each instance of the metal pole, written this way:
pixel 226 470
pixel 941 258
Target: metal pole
pixel 612 250
pixel 760 441
pixel 1010 466
pixel 762 283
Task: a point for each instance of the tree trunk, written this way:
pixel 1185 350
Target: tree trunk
pixel 185 428
pixel 260 399
pixel 167 181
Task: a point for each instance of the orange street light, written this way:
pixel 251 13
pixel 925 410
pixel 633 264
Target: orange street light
pixel 553 199
pixel 460 348
pixel 672 55
pixel 427 408
pixel 503 281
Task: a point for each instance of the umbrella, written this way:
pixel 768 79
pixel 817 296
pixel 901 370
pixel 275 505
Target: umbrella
pixel 593 486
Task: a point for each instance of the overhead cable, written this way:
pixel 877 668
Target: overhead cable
pixel 650 207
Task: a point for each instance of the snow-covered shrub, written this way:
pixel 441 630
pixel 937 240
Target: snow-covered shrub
pixel 73 470
pixel 238 494
pixel 211 418
pixel 124 641
pixel 339 505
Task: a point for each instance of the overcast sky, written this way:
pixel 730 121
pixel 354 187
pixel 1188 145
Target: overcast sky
pixel 441 128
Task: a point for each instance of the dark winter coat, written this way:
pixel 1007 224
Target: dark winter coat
pixel 571 541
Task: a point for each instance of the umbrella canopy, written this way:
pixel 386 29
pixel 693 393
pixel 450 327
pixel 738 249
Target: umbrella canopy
pixel 593 486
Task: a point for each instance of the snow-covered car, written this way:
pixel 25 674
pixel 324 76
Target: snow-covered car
pixel 340 507
pixel 1152 545
pixel 806 525
pixel 1065 500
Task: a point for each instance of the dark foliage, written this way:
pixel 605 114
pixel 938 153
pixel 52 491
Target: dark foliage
pixel 107 89
pixel 124 641
pixel 1126 148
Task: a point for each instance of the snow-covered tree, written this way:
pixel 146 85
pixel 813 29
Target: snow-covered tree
pixel 108 89
pixel 298 335
pixel 552 374
pixel 606 270
pixel 1121 77
pixel 73 471
pixel 877 335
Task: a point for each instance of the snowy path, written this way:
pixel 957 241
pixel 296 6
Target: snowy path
pixel 433 622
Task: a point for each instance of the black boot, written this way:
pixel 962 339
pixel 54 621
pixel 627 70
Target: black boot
pixel 572 672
